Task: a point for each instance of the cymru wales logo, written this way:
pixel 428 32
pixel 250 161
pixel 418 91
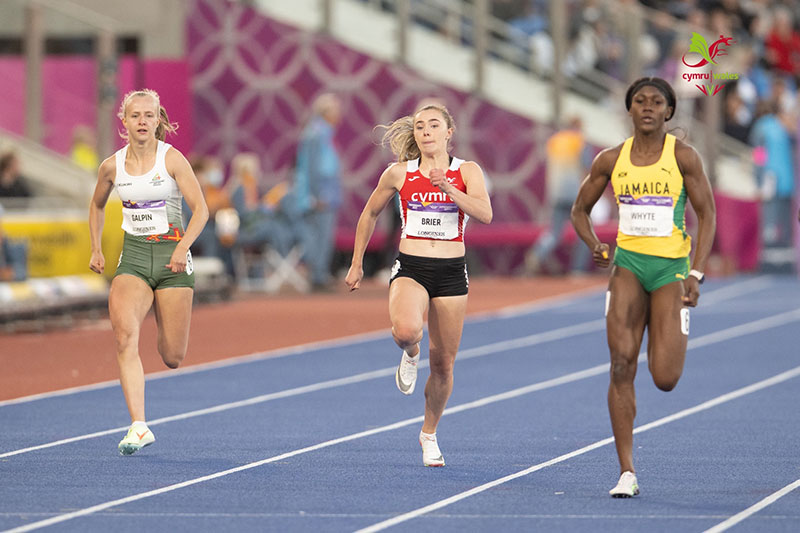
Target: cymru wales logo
pixel 708 54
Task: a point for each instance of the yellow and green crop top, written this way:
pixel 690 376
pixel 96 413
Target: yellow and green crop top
pixel 652 204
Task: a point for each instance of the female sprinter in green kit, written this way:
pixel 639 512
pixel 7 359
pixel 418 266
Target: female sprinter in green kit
pixel 652 284
pixel 155 267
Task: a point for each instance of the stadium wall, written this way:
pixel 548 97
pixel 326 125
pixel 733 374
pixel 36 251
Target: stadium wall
pixel 253 81
pixel 69 95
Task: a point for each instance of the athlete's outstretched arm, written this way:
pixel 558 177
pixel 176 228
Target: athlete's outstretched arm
pixel 97 215
pixel 181 170
pixel 698 189
pixel 589 193
pixel 389 183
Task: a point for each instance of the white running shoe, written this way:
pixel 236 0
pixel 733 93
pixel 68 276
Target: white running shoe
pixel 627 487
pixel 139 436
pixel 406 375
pixel 431 455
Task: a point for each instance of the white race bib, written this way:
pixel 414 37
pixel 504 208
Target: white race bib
pixel 145 218
pixel 646 216
pixel 432 221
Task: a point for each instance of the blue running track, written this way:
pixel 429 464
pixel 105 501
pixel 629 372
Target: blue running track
pixel 320 439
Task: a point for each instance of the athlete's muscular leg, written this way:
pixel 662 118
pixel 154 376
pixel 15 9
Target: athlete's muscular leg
pixel 625 323
pixel 666 342
pixel 445 324
pixel 128 302
pixel 173 307
pixel 408 302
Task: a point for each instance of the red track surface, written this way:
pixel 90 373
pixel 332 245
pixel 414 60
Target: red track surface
pixel 33 363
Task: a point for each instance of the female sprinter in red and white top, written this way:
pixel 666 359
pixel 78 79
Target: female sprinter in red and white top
pixel 438 193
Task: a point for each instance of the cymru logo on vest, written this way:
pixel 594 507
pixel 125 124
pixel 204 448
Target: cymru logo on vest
pixel 708 54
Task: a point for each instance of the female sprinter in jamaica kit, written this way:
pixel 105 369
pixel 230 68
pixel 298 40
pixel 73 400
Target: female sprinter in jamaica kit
pixel 155 267
pixel 438 193
pixel 652 284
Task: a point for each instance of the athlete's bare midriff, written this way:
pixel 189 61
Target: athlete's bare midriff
pixel 432 248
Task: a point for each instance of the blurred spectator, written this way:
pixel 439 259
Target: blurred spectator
pixel 317 189
pixel 754 83
pixel 782 44
pixel 261 221
pixel 568 158
pixel 738 19
pixel 531 19
pixel 783 93
pixel 660 26
pixel 737 119
pixel 721 22
pixel 12 183
pixel 209 243
pixel 610 49
pixel 672 68
pixel 697 19
pixel 507 10
pixel 775 173
pixel 13 257
pixel 83 152
pixel 681 9
pixel 582 53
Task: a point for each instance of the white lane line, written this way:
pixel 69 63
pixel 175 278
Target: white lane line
pixel 779 378
pixel 135 497
pixel 495 347
pixel 544 304
pixel 575 376
pixel 522 342
pixel 769 500
pixel 756 326
pixel 734 290
pixel 202 367
pixel 446 516
pixel 413 514
pixel 715 296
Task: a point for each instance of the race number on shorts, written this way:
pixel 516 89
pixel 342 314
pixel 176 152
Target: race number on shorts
pixel 685 320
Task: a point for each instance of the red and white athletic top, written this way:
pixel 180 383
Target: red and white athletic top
pixel 428 213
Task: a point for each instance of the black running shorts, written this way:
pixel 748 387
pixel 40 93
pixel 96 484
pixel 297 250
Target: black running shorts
pixel 439 276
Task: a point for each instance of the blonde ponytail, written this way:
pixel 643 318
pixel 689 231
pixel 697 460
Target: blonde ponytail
pixel 164 125
pixel 399 135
